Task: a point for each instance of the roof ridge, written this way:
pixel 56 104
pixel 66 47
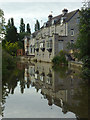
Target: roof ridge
pixel 67 14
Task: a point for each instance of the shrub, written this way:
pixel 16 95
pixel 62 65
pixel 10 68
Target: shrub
pixel 60 58
pixel 11 48
pixel 56 60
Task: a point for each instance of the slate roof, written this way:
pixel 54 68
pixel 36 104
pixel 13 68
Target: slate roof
pixel 58 18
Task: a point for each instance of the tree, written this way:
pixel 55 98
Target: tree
pixel 2 21
pixel 37 25
pixel 11 48
pixel 11 31
pixel 12 22
pixel 83 42
pixel 28 28
pixel 22 26
pixel 9 23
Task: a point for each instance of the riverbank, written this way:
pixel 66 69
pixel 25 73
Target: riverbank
pixel 31 59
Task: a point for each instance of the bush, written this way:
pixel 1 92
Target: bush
pixel 56 60
pixel 60 59
pixel 11 48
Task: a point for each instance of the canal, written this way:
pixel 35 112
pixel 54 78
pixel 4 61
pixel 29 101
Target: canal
pixel 39 90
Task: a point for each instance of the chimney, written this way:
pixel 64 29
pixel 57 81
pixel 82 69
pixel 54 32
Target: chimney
pixel 50 17
pixel 64 11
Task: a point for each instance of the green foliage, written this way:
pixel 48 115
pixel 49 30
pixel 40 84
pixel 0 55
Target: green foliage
pixel 20 44
pixel 60 58
pixel 28 29
pixel 11 34
pixel 56 60
pixel 11 31
pixel 71 46
pixel 37 25
pixel 12 22
pixel 61 70
pixel 22 26
pixel 7 62
pixel 11 48
pixel 83 42
pixel 21 37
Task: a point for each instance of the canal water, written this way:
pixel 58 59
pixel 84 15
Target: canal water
pixel 40 90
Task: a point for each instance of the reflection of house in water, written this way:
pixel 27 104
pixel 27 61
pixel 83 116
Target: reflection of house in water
pixel 58 89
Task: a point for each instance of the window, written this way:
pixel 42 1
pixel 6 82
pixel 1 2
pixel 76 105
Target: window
pixel 49 55
pixel 50 44
pixel 31 50
pixel 47 44
pixel 72 41
pixel 72 32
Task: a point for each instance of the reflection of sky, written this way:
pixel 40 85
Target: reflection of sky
pixel 31 11
pixel 30 105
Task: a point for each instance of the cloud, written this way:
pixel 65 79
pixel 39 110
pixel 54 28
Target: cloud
pixel 32 11
pixel 41 0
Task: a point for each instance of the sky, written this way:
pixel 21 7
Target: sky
pixel 38 9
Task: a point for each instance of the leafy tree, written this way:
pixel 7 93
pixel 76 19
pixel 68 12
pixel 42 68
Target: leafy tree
pixel 11 31
pixel 12 22
pixel 28 29
pixel 37 25
pixel 22 26
pixel 60 59
pixel 11 34
pixel 83 42
pixel 9 23
pixel 11 48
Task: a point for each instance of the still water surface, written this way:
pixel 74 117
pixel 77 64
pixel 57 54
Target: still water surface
pixel 37 90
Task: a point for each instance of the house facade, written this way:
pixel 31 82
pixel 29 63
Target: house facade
pixel 53 36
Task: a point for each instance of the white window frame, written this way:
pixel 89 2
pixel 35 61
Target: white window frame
pixel 72 31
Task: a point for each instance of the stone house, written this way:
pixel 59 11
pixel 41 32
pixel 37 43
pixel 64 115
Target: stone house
pixel 54 36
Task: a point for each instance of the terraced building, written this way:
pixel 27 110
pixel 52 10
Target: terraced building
pixel 53 36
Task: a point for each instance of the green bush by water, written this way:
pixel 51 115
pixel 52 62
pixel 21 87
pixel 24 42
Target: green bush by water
pixel 60 59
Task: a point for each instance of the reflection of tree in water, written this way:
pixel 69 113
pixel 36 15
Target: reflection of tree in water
pixel 81 95
pixel 22 85
pixel 9 83
pixel 62 70
pixel 78 99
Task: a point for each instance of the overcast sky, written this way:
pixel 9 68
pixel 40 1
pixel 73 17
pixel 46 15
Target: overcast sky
pixel 30 11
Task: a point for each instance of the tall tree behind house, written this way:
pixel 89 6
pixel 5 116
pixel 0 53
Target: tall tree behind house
pixel 22 26
pixel 28 28
pixel 11 31
pixel 37 25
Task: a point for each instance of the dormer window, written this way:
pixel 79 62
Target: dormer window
pixel 54 21
pixel 61 21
